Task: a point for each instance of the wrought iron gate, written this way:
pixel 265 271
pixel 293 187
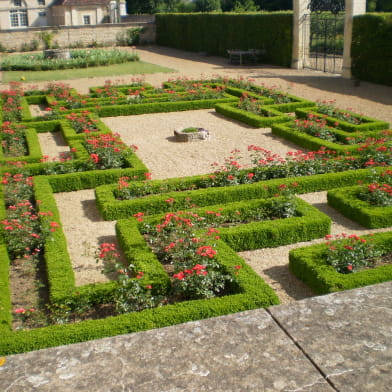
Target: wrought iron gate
pixel 323 41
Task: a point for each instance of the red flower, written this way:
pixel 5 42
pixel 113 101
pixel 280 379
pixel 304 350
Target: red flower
pixel 206 251
pixel 179 276
pixel 94 157
pixel 199 267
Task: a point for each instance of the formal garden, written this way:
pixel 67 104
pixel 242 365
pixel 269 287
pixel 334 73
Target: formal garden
pixel 173 255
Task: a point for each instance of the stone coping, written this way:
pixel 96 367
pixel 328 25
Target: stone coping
pixel 337 342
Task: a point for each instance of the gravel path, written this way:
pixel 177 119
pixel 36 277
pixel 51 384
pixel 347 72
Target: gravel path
pixel 165 158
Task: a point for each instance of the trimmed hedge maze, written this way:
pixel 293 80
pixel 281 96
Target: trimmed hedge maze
pixel 77 118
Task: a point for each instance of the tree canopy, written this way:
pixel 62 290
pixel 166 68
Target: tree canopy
pixel 155 6
pixel 334 6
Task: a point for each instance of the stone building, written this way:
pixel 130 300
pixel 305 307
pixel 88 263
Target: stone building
pixel 20 14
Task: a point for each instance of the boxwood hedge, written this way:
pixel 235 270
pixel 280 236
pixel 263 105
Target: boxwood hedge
pixel 308 264
pixel 346 201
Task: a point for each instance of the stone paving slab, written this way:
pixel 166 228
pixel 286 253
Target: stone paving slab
pixel 240 352
pixel 348 335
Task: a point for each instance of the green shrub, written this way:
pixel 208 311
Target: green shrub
pixel 365 123
pixel 112 209
pixel 309 265
pixel 33 147
pixel 371 48
pixel 129 37
pixel 5 292
pixel 313 143
pixel 215 33
pixel 272 116
pixel 346 201
pixel 79 59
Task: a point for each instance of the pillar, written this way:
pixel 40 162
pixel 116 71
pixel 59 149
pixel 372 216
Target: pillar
pixel 301 33
pixel 353 7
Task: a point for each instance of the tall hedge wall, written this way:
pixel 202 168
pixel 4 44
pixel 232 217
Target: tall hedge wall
pixel 215 33
pixel 371 48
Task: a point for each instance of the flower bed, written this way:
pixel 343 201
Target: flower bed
pixel 336 139
pixel 78 59
pixel 239 203
pixel 251 292
pixel 362 123
pixel 348 202
pixel 309 265
pixel 269 115
pixel 112 209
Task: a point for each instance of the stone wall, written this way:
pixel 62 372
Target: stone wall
pixel 65 36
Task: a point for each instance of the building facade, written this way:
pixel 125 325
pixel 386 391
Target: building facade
pixel 21 14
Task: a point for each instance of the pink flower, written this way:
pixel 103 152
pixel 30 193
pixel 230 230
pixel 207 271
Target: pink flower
pixel 20 311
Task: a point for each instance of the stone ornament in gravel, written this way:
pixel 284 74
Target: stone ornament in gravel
pixel 191 134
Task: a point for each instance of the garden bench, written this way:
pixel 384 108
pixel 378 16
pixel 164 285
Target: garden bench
pixel 240 56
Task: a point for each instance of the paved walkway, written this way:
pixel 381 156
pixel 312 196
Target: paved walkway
pixel 339 342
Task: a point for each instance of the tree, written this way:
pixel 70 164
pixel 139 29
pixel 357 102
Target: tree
pixel 384 5
pixel 227 5
pixel 174 6
pixel 186 6
pixel 274 5
pixel 155 6
pixel 245 6
pixel 207 5
pixel 334 6
pixel 141 6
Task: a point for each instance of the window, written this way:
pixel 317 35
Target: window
pixel 41 14
pixel 18 18
pixel 41 2
pixel 86 19
pixel 18 3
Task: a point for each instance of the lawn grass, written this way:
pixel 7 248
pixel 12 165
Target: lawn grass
pixel 131 68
